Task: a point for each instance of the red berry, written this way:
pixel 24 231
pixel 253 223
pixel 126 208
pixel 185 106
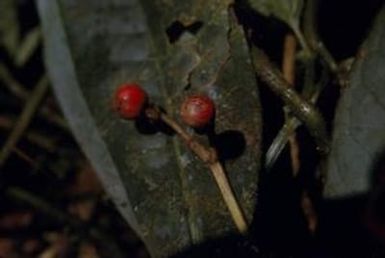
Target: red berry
pixel 197 111
pixel 129 100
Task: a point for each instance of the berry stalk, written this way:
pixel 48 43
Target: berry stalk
pixel 209 156
pixel 228 196
pixel 130 101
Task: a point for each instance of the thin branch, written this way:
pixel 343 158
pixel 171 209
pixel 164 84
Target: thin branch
pixel 309 212
pixel 20 92
pixel 309 89
pixel 288 69
pixel 13 85
pixel 288 61
pixel 310 93
pixel 209 156
pixel 228 196
pixel 301 38
pixel 24 156
pixel 25 118
pixel 311 33
pixel 28 46
pixel 305 111
pixel 34 137
pixel 280 141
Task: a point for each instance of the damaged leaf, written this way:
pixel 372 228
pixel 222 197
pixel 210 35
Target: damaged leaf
pixel 172 48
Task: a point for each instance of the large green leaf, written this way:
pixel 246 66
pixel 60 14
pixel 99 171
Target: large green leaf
pixel 164 192
pixel 359 132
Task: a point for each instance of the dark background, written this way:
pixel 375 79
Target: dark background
pixel 59 182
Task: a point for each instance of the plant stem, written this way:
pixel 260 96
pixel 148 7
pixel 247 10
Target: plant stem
pixel 209 156
pixel 206 155
pixel 309 212
pixel 24 156
pixel 305 111
pixel 280 141
pixel 301 39
pixel 311 33
pixel 19 91
pixel 288 70
pixel 228 196
pixel 25 118
pixel 288 61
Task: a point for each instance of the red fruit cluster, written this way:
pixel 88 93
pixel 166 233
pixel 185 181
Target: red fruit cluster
pixel 130 99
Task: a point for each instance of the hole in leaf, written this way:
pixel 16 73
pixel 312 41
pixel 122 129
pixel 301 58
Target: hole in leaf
pixel 229 144
pixel 176 29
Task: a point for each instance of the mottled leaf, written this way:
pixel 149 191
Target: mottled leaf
pixel 172 48
pixel 359 130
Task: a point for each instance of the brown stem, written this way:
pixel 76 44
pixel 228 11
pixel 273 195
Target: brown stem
pixel 288 62
pixel 209 156
pixel 288 70
pixel 228 196
pixel 206 155
pixel 309 212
